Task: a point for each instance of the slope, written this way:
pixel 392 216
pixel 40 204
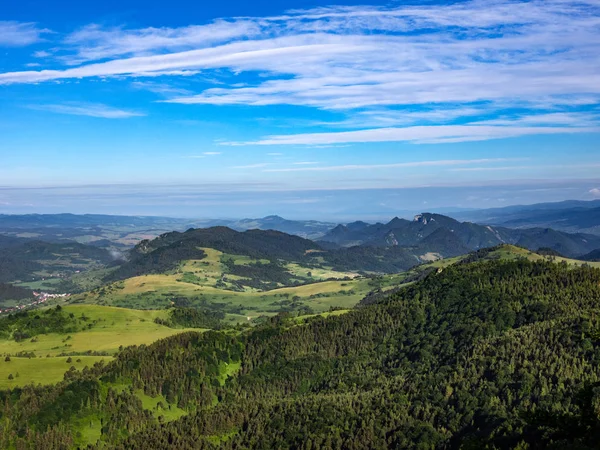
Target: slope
pixel 487 354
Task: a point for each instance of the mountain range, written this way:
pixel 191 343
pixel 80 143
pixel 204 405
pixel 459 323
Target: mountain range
pixel 570 216
pixel 449 237
pixel 309 229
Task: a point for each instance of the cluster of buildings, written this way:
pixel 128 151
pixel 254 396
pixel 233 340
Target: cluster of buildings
pixel 40 298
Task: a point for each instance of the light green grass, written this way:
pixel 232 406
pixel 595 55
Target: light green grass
pixel 169 412
pixel 115 327
pixel 508 252
pixel 197 280
pixel 41 370
pixel 228 370
pixel 317 273
pixel 90 428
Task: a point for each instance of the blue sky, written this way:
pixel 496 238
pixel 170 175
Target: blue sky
pixel 299 108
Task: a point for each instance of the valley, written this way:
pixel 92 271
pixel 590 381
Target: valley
pixel 192 330
pixel 418 341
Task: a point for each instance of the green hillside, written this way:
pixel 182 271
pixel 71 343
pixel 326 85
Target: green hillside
pixel 239 286
pixel 38 343
pixel 245 289
pixel 484 353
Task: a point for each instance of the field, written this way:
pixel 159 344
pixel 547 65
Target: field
pixel 158 291
pixel 113 327
pixel 209 283
pixel 41 370
pixel 512 252
pixel 197 283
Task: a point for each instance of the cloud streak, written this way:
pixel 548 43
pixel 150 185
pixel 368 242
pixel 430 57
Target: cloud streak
pixel 20 34
pixel 416 134
pixel 87 109
pixel 437 73
pixel 437 163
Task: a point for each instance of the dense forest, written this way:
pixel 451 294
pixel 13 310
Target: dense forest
pixel 11 292
pixel 482 354
pixel 28 324
pixel 20 260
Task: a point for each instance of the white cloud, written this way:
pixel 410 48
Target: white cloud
pixel 19 34
pixel 204 155
pixel 572 119
pixel 595 192
pixel 41 54
pixel 493 169
pixel 384 67
pixel 87 109
pixel 93 43
pixel 416 134
pixel 252 166
pixel 346 167
pixel 160 88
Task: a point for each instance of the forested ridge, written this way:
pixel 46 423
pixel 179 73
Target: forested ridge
pixel 481 354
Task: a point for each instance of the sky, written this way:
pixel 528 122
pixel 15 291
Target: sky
pixel 306 109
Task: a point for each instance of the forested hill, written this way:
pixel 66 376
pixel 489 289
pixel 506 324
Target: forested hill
pixel 168 250
pixel 26 257
pixel 592 256
pixel 486 354
pixel 442 234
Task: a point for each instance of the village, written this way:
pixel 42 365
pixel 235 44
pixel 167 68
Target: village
pixel 40 299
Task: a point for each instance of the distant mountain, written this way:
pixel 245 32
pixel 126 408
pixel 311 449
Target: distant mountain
pixel 309 229
pixel 122 231
pixel 28 221
pixel 96 229
pixel 571 216
pixel 448 237
pixel 32 259
pixel 168 250
pixel 592 256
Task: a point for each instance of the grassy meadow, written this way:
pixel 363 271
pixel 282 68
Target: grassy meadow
pixel 112 328
pixel 123 313
pixel 208 283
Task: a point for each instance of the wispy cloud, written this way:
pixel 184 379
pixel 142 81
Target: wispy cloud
pixel 160 88
pixel 416 134
pixel 204 155
pixel 87 109
pixel 395 68
pixel 41 54
pixel 19 34
pixel 493 169
pixel 346 167
pixel 252 166
pixel 93 42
